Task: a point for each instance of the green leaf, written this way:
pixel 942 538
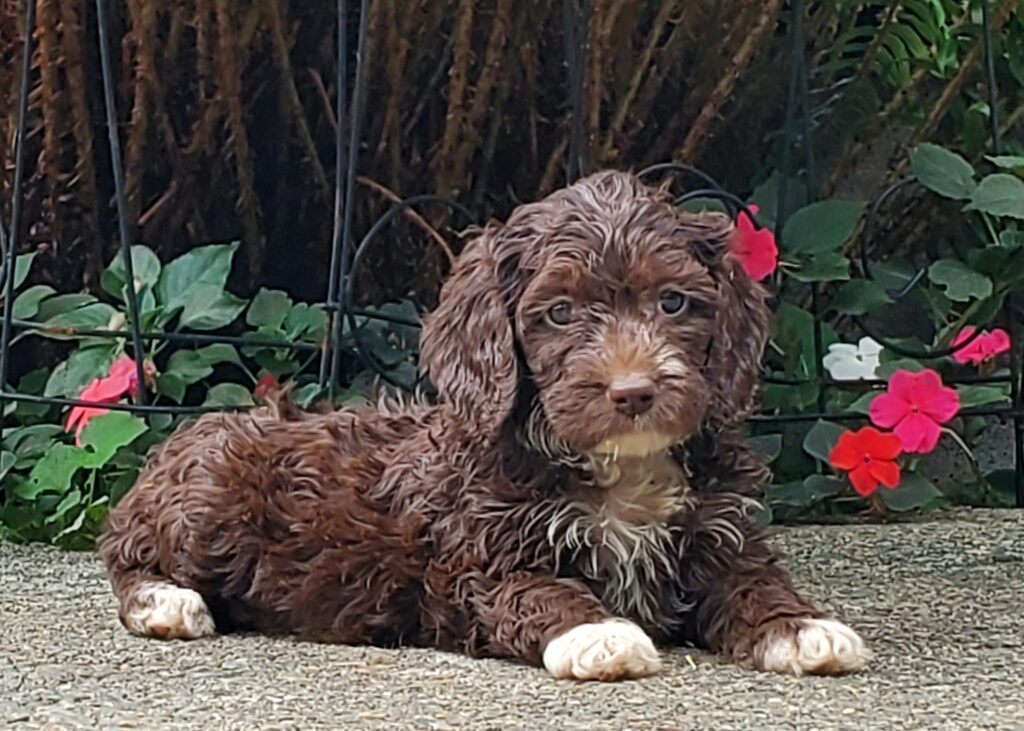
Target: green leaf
pixel 1007 162
pixel 788 493
pixel 269 308
pixel 78 371
pixel 17 521
pixel 210 308
pixel 403 309
pixel 823 486
pixel 30 441
pixel 805 493
pixel 911 40
pixel 95 316
pixel 194 283
pixel 974 128
pixel 360 389
pixel 53 472
pixel 863 403
pixel 186 368
pixel 32 383
pixel 71 500
pixel 105 434
pixel 7 460
pixel 893 274
pixel 22 266
pixel 766 198
pixel 821 438
pixel 277 361
pixel 306 322
pixel 767 445
pixel 829 266
pixel 305 395
pixel 191 366
pixel 73 527
pixel 942 171
pixel 860 296
pixel 989 308
pixel 980 395
pixel 913 492
pixel 159 426
pixel 787 398
pixel 999 195
pixel 218 353
pixel 145 267
pixel 960 282
pixel 26 304
pixel 383 347
pixel 1002 263
pixel 793 333
pixel 888 367
pixel 171 385
pixel 1004 487
pixel 228 394
pixel 822 226
pixel 62 303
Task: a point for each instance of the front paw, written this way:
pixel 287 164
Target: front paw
pixel 812 647
pixel 611 650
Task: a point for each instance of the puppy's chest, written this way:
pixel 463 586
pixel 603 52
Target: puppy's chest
pixel 619 537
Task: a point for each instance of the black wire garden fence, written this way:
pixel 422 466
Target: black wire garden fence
pixel 348 255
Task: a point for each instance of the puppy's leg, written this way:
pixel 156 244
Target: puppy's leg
pixel 749 609
pixel 151 604
pixel 157 608
pixel 560 624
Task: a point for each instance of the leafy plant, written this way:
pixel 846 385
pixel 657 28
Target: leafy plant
pixel 958 293
pixel 58 491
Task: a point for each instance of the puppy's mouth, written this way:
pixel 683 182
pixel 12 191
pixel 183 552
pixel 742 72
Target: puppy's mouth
pixel 642 443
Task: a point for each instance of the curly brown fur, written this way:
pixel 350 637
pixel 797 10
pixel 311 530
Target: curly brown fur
pixel 582 463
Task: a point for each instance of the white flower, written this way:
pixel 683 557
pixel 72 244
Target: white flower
pixel 859 362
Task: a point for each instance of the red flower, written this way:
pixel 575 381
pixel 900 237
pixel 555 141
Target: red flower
pixel 122 379
pixel 266 383
pixel 868 455
pixel 983 348
pixel 756 249
pixel 915 404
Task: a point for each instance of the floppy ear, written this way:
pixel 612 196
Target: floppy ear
pixel 741 323
pixel 467 347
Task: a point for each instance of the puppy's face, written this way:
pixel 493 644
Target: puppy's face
pixel 615 321
pixel 618 324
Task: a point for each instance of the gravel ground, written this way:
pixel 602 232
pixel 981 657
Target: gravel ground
pixel 941 603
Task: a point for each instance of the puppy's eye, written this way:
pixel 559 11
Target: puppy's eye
pixel 560 314
pixel 672 302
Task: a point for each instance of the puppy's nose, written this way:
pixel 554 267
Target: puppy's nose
pixel 632 395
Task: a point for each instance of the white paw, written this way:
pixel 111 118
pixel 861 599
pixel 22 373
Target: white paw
pixel 609 650
pixel 817 647
pixel 168 612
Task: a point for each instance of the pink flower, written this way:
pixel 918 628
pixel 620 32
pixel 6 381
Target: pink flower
pixel 266 384
pixel 916 404
pixel 122 379
pixel 983 348
pixel 756 249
